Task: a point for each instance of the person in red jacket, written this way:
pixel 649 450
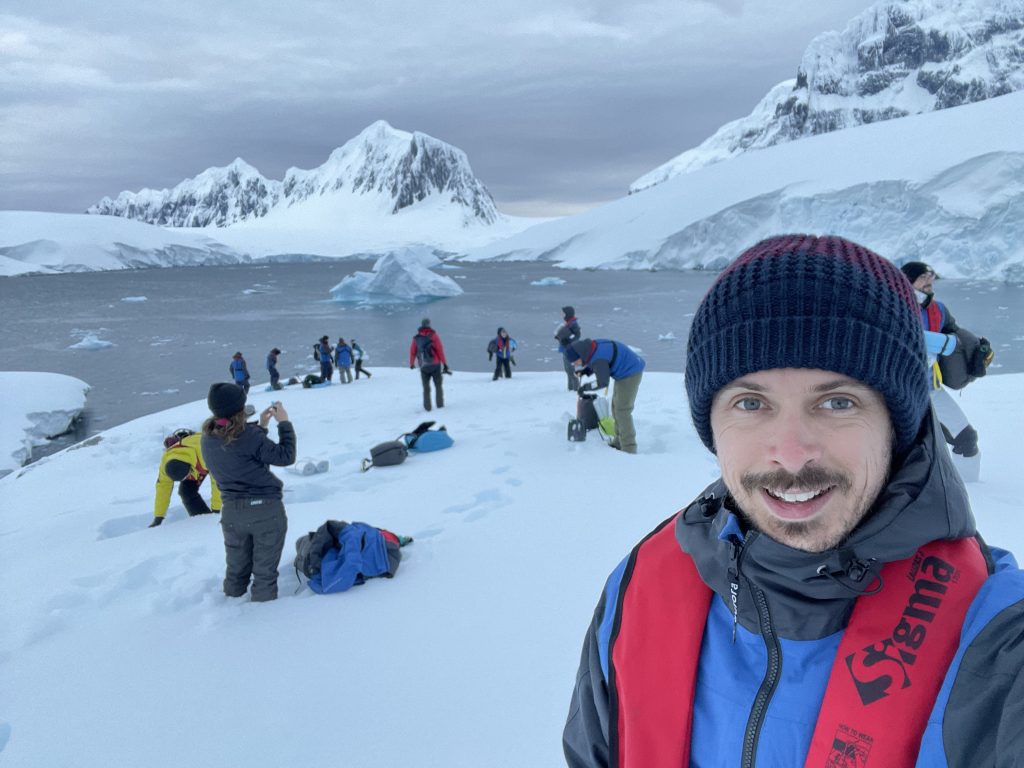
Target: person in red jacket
pixel 427 352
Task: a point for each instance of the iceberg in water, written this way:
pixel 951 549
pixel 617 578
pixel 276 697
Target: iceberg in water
pixel 400 277
pixel 92 342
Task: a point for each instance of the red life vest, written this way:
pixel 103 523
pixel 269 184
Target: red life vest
pixel 918 614
pixel 935 318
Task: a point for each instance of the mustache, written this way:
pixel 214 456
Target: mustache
pixel 808 478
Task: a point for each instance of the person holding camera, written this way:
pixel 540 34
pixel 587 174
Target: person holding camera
pixel 239 456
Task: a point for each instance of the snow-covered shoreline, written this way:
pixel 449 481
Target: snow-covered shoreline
pixel 37 407
pixel 120 634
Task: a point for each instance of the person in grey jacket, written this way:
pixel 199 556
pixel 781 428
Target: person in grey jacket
pixel 253 519
pixel 828 599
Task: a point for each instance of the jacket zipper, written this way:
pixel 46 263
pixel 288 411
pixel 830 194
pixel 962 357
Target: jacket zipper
pixel 768 684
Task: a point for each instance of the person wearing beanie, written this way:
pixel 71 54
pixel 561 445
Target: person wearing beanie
pixel 239 371
pixel 503 346
pixel 275 377
pixel 324 354
pixel 182 463
pixel 253 520
pixel 607 360
pixel 828 599
pixel 941 332
pixel 360 357
pixel 427 352
pixel 568 331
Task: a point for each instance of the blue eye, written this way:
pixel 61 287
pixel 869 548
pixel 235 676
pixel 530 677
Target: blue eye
pixel 749 404
pixel 838 404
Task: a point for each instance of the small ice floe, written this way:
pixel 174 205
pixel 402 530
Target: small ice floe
pixel 133 299
pixel 91 342
pixel 666 336
pixel 548 281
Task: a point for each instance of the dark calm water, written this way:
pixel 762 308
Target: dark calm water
pixel 169 348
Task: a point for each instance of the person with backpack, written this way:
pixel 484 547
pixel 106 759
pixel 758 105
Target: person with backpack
pixel 253 519
pixel 828 598
pixel 961 437
pixel 567 333
pixel 607 359
pixel 427 352
pixel 182 463
pixel 239 371
pixel 322 352
pixel 343 359
pixel 275 377
pixel 360 357
pixel 502 346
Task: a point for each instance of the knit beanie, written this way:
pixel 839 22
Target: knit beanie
pixel 914 269
pixel 225 400
pixel 801 301
pixel 177 470
pixel 425 323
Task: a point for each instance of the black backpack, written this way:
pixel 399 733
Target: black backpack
pixel 386 455
pixel 425 350
pixel 316 352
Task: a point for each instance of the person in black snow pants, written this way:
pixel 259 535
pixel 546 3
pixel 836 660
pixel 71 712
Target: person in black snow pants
pixel 502 346
pixel 427 352
pixel 325 350
pixel 239 456
pixel 275 377
pixel 360 358
pixel 567 333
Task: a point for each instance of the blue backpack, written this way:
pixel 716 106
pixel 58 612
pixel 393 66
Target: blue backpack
pixel 423 439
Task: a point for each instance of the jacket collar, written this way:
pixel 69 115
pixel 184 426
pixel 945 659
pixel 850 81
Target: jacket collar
pixel 810 595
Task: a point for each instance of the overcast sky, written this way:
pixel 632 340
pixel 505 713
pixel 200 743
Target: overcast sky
pixel 559 104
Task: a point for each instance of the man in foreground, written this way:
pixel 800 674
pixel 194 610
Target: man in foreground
pixel 827 601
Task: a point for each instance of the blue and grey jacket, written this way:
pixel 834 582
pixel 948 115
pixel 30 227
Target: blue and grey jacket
pixel 807 600
pixel 343 355
pixel 606 359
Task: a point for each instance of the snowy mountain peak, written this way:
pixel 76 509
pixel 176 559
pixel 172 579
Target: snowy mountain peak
pixel 400 168
pixel 897 58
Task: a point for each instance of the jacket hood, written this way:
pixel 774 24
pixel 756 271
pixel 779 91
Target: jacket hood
pixel 569 312
pixel 810 595
pixel 581 349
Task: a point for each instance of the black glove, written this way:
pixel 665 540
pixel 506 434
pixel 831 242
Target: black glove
pixel 513 360
pixel 446 369
pixel 411 367
pixel 156 522
pixel 490 356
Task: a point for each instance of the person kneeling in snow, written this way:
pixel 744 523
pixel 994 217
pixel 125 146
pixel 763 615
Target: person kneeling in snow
pixel 253 518
pixel 608 359
pixel 182 463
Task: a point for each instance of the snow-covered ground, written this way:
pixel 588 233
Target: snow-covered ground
pixel 943 187
pixel 36 406
pixel 118 647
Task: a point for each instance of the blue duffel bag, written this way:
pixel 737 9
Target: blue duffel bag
pixel 423 439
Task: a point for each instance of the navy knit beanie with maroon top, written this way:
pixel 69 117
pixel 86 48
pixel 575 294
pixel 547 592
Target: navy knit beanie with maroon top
pixel 801 301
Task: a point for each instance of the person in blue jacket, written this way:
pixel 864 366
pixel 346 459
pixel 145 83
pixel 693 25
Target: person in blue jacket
pixel 239 371
pixel 343 359
pixel 503 347
pixel 607 359
pixel 324 351
pixel 828 600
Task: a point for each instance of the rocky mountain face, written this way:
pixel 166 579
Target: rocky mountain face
pixel 399 169
pixel 897 58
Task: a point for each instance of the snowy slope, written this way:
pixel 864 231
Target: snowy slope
pixel 944 187
pixel 33 241
pixel 897 58
pixel 36 406
pixel 121 650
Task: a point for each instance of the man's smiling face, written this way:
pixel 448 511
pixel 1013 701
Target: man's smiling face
pixel 803 452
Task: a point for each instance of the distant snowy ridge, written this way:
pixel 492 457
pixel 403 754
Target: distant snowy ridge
pixel 402 168
pixel 39 242
pixel 945 187
pixel 897 58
